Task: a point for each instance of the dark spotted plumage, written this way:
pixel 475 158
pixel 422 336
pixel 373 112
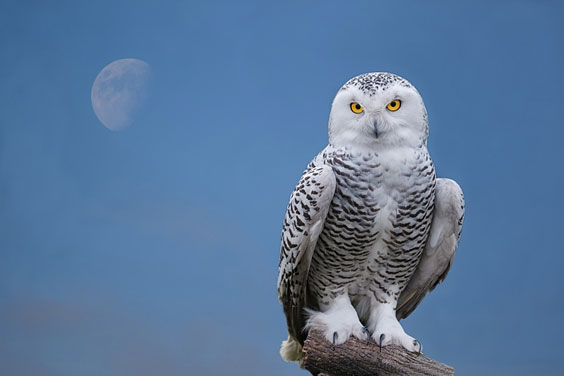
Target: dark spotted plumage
pixel 303 222
pixel 371 83
pixel 376 226
pixel 369 230
pixel 373 234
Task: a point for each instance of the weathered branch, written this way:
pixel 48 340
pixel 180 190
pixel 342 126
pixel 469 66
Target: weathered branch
pixel 359 357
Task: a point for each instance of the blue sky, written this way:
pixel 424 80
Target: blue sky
pixel 154 250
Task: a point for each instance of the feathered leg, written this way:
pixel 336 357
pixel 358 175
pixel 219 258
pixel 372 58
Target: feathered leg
pixel 386 329
pixel 338 321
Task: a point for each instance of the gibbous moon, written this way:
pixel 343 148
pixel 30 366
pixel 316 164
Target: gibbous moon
pixel 119 92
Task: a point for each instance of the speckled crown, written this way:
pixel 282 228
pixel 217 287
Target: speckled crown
pixel 370 83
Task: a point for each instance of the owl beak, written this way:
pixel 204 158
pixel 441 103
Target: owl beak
pixel 375 128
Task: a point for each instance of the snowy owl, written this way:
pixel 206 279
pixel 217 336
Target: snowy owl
pixel 369 229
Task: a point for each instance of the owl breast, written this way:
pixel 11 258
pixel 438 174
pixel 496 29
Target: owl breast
pixel 377 224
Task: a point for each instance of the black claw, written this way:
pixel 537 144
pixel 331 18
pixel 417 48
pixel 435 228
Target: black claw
pixel 335 335
pixel 382 337
pixel 416 342
pixel 367 332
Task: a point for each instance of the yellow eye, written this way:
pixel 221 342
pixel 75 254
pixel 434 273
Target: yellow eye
pixel 356 108
pixel 394 105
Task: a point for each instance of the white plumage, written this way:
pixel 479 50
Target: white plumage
pixel 368 230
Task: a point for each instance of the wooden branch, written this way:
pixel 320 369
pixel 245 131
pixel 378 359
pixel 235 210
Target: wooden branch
pixel 360 357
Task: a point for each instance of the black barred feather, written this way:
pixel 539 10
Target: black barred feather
pixel 373 230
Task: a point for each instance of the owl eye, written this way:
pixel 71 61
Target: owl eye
pixel 356 108
pixel 394 105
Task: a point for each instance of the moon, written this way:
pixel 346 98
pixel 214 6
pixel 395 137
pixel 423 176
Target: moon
pixel 119 92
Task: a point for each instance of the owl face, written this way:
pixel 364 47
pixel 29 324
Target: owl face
pixel 375 110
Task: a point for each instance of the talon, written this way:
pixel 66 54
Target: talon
pixel 335 335
pixel 367 332
pixel 417 343
pixel 382 337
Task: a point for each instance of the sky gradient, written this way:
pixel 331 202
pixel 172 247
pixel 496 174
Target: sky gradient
pixel 154 250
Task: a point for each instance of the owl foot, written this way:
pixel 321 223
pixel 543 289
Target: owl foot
pixel 386 330
pixel 338 322
pixel 392 334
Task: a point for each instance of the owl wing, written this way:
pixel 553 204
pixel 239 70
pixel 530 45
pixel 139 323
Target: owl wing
pixel 441 246
pixel 304 220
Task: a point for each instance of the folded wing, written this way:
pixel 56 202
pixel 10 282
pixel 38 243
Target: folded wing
pixel 441 246
pixel 304 220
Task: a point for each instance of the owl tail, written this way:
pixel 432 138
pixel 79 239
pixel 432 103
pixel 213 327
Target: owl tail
pixel 291 350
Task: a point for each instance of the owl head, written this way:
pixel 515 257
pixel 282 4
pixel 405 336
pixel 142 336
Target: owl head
pixel 375 110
